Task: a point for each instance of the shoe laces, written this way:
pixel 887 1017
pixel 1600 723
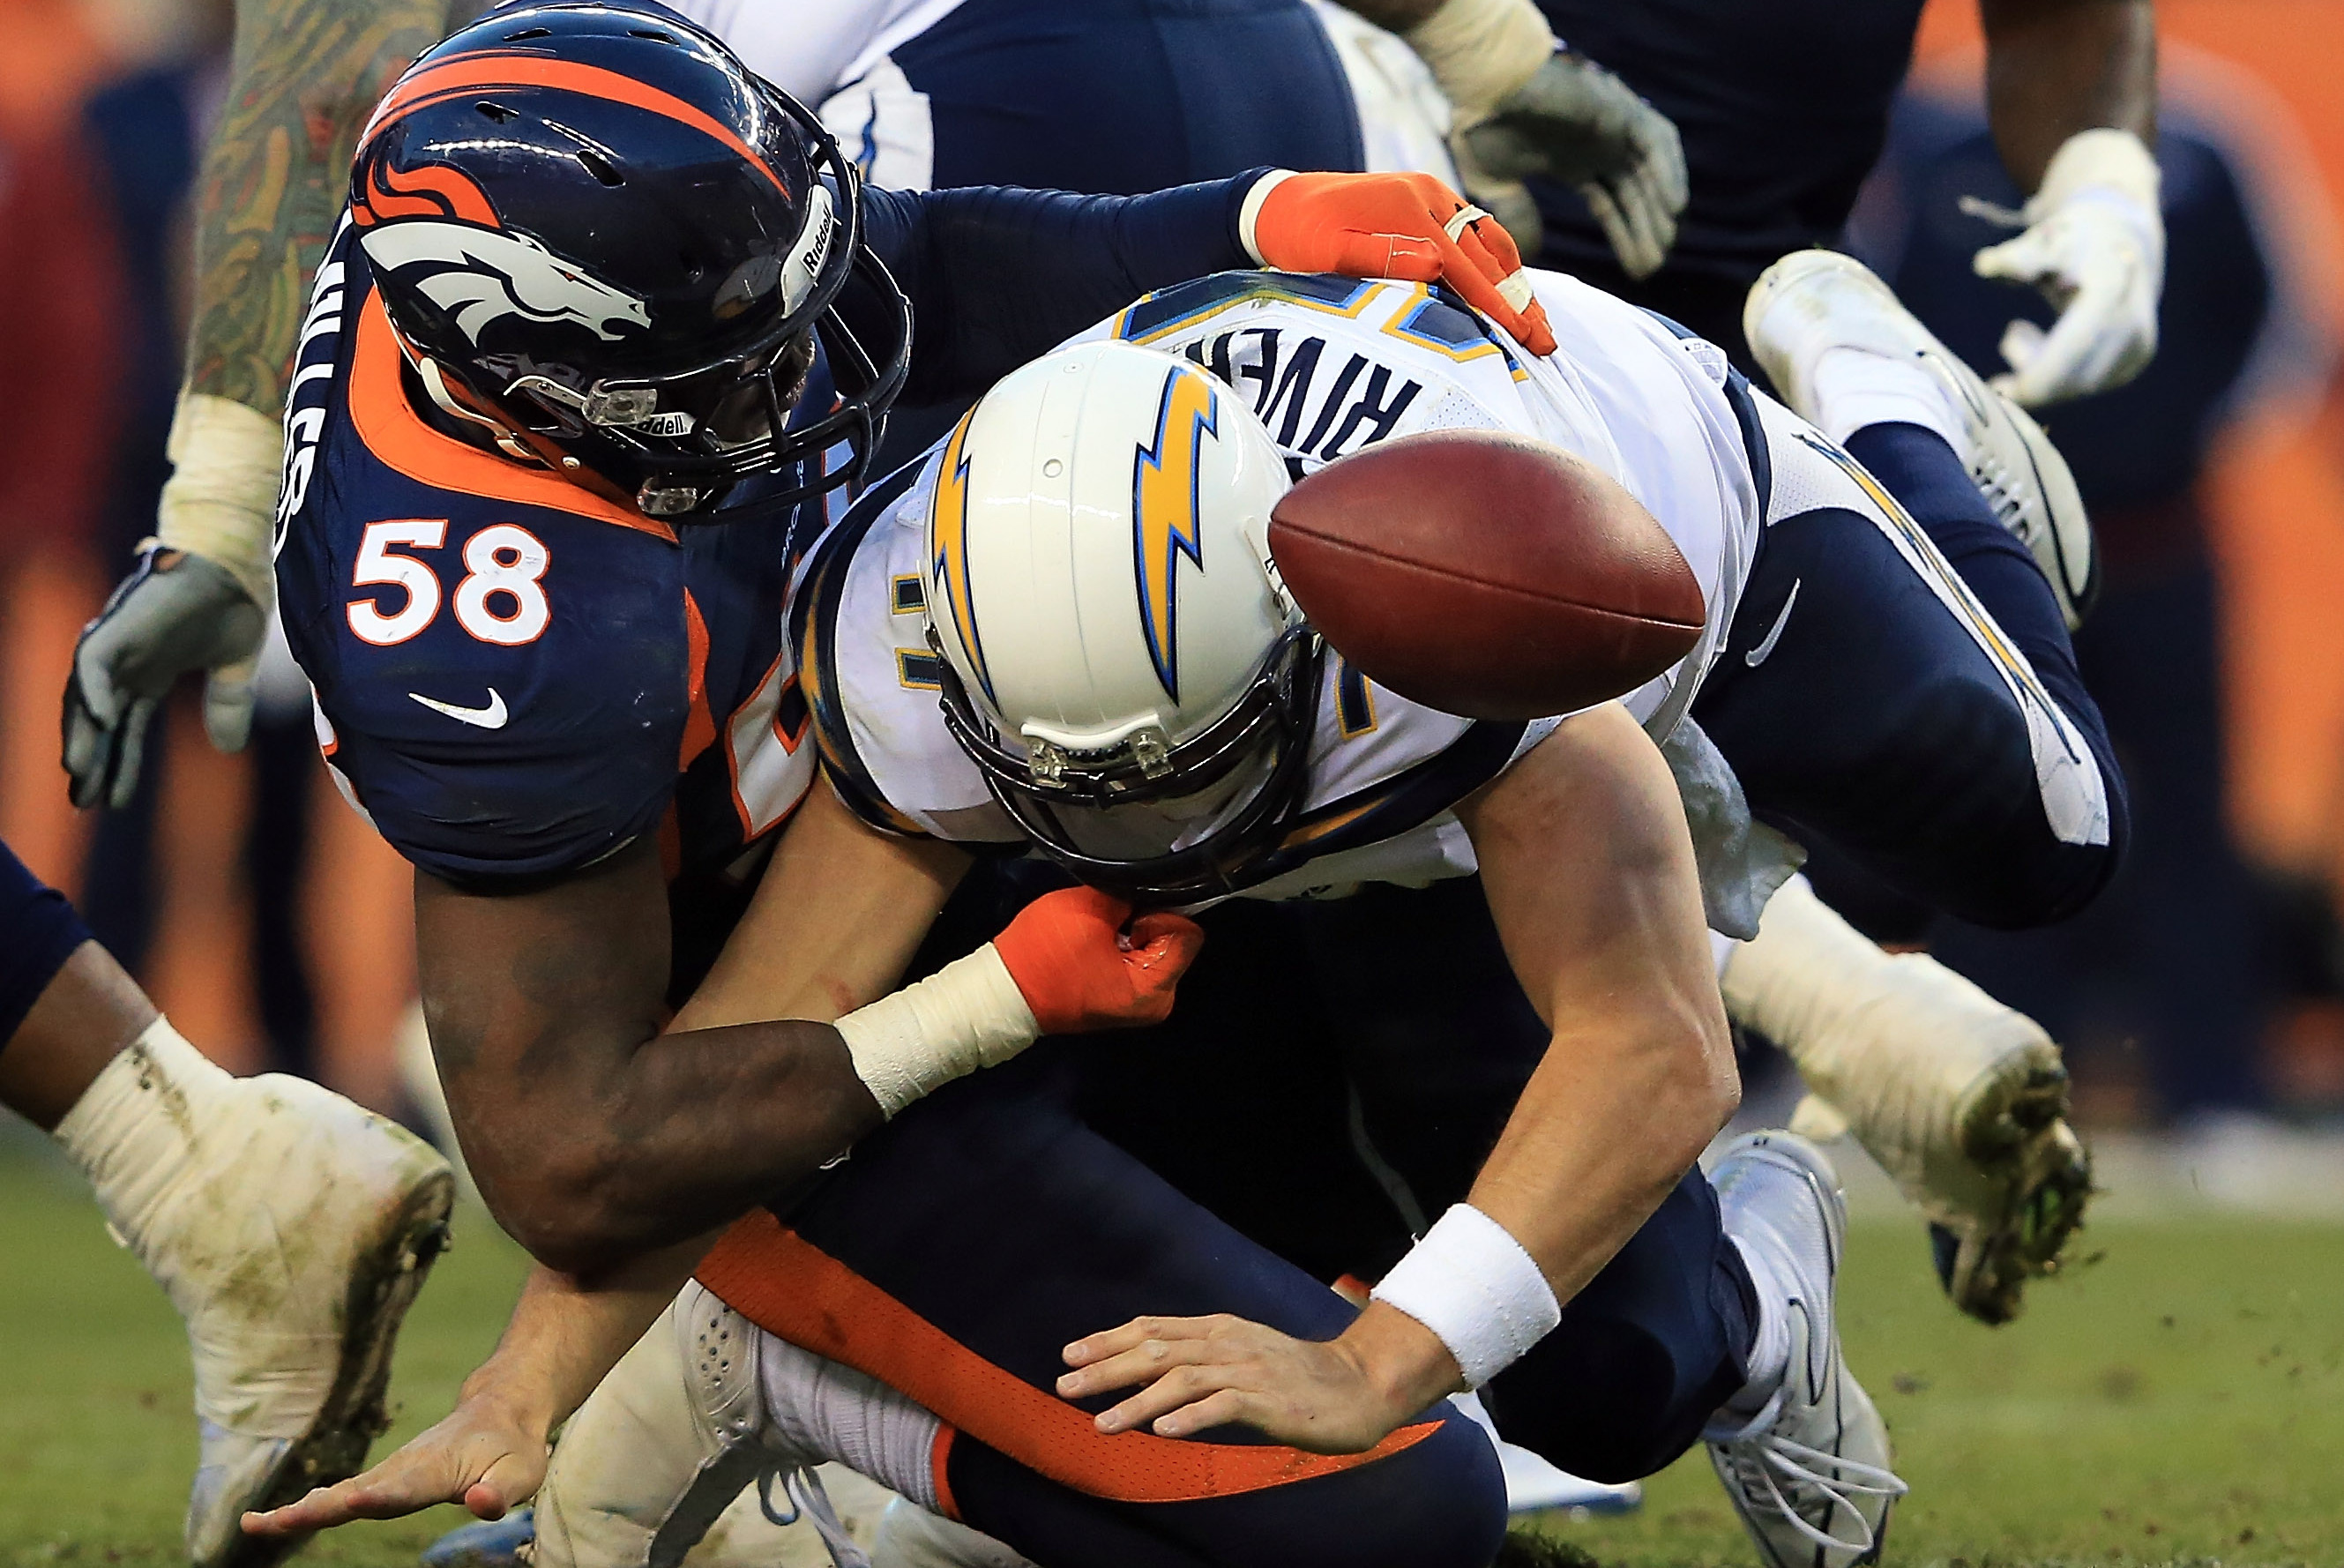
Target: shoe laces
pixel 1783 1477
pixel 2002 492
pixel 802 1492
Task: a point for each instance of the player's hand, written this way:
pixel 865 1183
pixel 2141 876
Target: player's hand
pixel 1577 123
pixel 1083 962
pixel 175 613
pixel 1404 225
pixel 1337 1396
pixel 485 1455
pixel 2095 246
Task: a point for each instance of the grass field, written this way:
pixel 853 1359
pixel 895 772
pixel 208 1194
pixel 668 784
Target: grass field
pixel 2175 1401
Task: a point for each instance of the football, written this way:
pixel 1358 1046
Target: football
pixel 1488 576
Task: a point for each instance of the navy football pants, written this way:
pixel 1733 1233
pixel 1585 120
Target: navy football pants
pixel 1875 718
pixel 38 932
pixel 964 1244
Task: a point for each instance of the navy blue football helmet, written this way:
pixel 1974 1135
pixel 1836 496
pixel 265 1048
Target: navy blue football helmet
pixel 600 236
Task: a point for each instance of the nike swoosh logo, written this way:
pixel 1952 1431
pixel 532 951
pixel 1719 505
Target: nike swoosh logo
pixel 491 717
pixel 1757 657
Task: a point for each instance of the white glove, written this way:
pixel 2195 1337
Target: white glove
pixel 2095 246
pixel 1577 123
pixel 198 599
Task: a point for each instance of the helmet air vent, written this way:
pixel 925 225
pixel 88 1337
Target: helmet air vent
pixel 528 33
pixel 655 38
pixel 502 114
pixel 601 167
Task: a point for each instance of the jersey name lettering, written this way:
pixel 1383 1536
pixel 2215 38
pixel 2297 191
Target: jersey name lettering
pixel 1310 415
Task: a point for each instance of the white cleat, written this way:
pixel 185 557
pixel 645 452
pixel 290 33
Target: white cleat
pixel 1810 1472
pixel 1814 301
pixel 911 1537
pixel 293 1260
pixel 1961 1099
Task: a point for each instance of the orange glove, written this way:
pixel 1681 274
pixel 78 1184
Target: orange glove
pixel 1405 226
pixel 1079 970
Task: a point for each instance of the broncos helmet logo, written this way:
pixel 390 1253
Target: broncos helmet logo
pixel 436 229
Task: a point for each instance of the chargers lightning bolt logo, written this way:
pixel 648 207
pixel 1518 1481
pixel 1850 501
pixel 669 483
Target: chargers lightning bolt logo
pixel 1164 520
pixel 948 549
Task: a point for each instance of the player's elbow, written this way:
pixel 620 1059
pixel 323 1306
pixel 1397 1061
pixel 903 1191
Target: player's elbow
pixel 1696 1086
pixel 564 1201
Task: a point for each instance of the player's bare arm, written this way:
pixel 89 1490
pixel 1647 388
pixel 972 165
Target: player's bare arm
pixel 1640 1077
pixel 302 79
pixel 2055 67
pixel 833 924
pixel 2071 94
pixel 594 1136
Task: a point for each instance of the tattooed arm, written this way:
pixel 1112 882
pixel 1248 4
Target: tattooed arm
pixel 304 76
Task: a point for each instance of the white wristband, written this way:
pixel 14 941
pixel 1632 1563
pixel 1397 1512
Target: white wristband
pixel 1482 52
pixel 968 1015
pixel 1473 1285
pixel 220 501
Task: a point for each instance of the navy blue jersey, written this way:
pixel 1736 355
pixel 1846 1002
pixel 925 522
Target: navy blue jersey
pixel 1783 107
pixel 516 678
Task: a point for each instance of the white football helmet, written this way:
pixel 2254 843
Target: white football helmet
pixel 1121 659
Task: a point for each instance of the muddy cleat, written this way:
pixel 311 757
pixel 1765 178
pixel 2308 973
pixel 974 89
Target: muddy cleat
pixel 1962 1100
pixel 1808 1470
pixel 294 1265
pixel 1813 303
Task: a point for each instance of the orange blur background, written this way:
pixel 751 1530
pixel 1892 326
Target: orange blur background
pixel 2277 498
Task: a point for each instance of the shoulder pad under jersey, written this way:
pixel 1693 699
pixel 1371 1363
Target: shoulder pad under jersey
pixel 501 660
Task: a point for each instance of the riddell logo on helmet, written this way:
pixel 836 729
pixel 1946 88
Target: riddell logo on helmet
pixel 436 230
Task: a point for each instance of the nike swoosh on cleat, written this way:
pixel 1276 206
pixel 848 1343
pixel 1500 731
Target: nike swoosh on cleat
pixel 491 717
pixel 1757 657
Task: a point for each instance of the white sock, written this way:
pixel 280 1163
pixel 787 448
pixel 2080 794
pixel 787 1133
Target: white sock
pixel 1770 1352
pixel 826 1408
pixel 1855 388
pixel 143 1125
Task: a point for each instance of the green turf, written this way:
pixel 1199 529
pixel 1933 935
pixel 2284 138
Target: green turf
pixel 2177 1402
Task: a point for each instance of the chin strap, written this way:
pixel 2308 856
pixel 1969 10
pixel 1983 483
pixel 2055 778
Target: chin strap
pixel 444 398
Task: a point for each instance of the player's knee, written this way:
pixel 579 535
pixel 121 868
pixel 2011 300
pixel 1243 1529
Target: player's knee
pixel 1995 833
pixel 1634 1424
pixel 1440 1502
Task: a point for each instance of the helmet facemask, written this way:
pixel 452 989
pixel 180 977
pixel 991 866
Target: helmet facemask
pixel 1156 824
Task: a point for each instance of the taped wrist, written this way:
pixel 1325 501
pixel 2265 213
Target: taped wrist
pixel 1482 52
pixel 220 501
pixel 1480 1292
pixel 968 1015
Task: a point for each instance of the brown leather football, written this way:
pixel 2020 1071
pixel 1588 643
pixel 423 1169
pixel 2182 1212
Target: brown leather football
pixel 1486 574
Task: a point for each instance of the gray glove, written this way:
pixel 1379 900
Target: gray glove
pixel 175 613
pixel 1576 123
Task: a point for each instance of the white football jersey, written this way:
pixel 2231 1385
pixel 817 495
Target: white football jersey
pixel 809 48
pixel 836 58
pixel 1331 365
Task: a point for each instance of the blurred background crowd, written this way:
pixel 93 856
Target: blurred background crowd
pixel 2202 997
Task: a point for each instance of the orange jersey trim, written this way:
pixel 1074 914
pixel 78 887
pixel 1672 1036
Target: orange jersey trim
pixel 787 1285
pixel 488 71
pixel 396 436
